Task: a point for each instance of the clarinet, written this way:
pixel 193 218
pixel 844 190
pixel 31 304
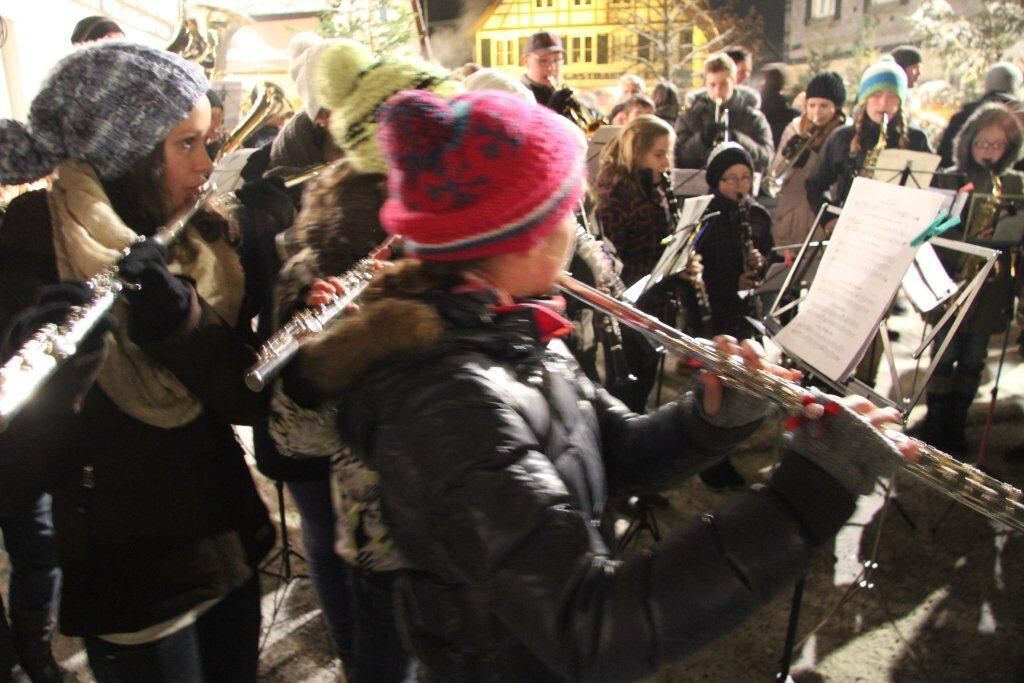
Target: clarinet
pixel 697 279
pixel 748 247
pixel 591 252
pixel 282 346
pixel 53 344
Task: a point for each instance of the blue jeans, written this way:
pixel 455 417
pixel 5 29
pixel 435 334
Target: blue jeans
pixel 332 577
pixel 35 578
pixel 222 645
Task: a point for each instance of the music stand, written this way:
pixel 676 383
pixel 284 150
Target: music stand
pixel 905 165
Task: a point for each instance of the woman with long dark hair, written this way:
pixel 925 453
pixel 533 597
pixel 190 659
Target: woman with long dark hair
pixel 158 523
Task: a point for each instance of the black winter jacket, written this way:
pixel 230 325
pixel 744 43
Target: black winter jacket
pixel 747 126
pixel 835 165
pixel 150 522
pixel 496 457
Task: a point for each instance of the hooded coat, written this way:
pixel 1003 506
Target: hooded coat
pixel 496 457
pixel 994 303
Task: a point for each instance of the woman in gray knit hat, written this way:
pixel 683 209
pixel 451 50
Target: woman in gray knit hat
pixel 159 525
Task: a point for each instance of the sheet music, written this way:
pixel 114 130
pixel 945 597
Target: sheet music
pixel 861 269
pixel 927 284
pixel 693 208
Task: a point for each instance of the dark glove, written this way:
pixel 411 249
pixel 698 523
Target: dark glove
pixel 161 302
pixel 560 100
pixel 846 446
pixel 55 302
pixel 71 382
pixel 712 132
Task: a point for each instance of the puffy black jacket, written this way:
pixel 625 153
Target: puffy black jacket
pixel 496 456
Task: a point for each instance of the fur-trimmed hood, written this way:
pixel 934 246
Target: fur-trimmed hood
pixel 410 313
pixel 984 116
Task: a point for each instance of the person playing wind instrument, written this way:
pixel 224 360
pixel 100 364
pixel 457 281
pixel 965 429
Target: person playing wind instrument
pixel 495 455
pixel 338 226
pixel 159 527
pixel 984 150
pixel 882 93
pixel 798 150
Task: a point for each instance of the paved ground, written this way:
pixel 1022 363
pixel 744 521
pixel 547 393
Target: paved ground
pixel 944 601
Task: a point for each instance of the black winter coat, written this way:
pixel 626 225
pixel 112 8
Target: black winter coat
pixel 836 166
pixel 496 457
pixel 150 522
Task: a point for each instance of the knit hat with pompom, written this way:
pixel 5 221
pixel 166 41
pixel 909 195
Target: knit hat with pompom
pixel 353 84
pixel 484 173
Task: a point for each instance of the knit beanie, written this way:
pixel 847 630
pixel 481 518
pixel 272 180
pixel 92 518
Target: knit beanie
pixel 1003 77
pixel 885 74
pixel 484 173
pixel 93 28
pixel 303 52
pixel 353 84
pixel 906 55
pixel 722 158
pixel 108 103
pixel 493 79
pixel 828 85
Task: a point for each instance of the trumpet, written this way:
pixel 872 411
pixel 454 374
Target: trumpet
pixel 576 112
pixel 282 346
pixel 46 350
pixel 722 117
pixel 966 485
pixel 795 153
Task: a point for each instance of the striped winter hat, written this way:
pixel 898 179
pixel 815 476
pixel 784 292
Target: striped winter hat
pixel 885 74
pixel 108 103
pixel 353 84
pixel 484 173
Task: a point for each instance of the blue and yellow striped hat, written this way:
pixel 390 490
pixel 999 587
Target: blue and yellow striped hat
pixel 884 74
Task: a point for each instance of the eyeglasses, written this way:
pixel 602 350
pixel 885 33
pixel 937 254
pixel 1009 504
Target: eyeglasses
pixel 986 145
pixel 737 180
pixel 549 61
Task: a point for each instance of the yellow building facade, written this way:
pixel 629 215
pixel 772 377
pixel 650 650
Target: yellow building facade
pixel 597 44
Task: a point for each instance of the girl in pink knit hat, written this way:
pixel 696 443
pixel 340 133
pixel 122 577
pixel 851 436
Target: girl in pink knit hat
pixel 494 455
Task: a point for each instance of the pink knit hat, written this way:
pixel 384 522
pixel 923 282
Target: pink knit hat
pixel 481 174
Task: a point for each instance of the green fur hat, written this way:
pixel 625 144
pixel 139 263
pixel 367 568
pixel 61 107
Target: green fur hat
pixel 353 84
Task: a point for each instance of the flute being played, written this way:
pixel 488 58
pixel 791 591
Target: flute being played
pixel 282 346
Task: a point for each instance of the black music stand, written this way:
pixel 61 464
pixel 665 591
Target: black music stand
pixel 287 552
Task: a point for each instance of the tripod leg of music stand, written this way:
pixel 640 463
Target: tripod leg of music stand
pixel 794 618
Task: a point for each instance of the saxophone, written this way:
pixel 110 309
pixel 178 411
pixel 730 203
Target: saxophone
pixel 867 170
pixel 982 226
pixel 697 278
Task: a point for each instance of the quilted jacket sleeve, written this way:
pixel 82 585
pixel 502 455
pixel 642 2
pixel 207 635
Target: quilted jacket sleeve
pixel 471 497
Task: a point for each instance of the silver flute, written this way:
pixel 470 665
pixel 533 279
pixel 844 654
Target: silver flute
pixel 282 346
pixel 46 350
pixel 966 485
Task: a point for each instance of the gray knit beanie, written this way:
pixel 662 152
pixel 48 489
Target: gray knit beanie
pixel 1003 77
pixel 108 104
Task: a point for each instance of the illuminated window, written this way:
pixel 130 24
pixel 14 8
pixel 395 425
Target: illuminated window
pixel 581 49
pixel 821 9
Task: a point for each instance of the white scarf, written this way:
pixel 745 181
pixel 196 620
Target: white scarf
pixel 88 236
